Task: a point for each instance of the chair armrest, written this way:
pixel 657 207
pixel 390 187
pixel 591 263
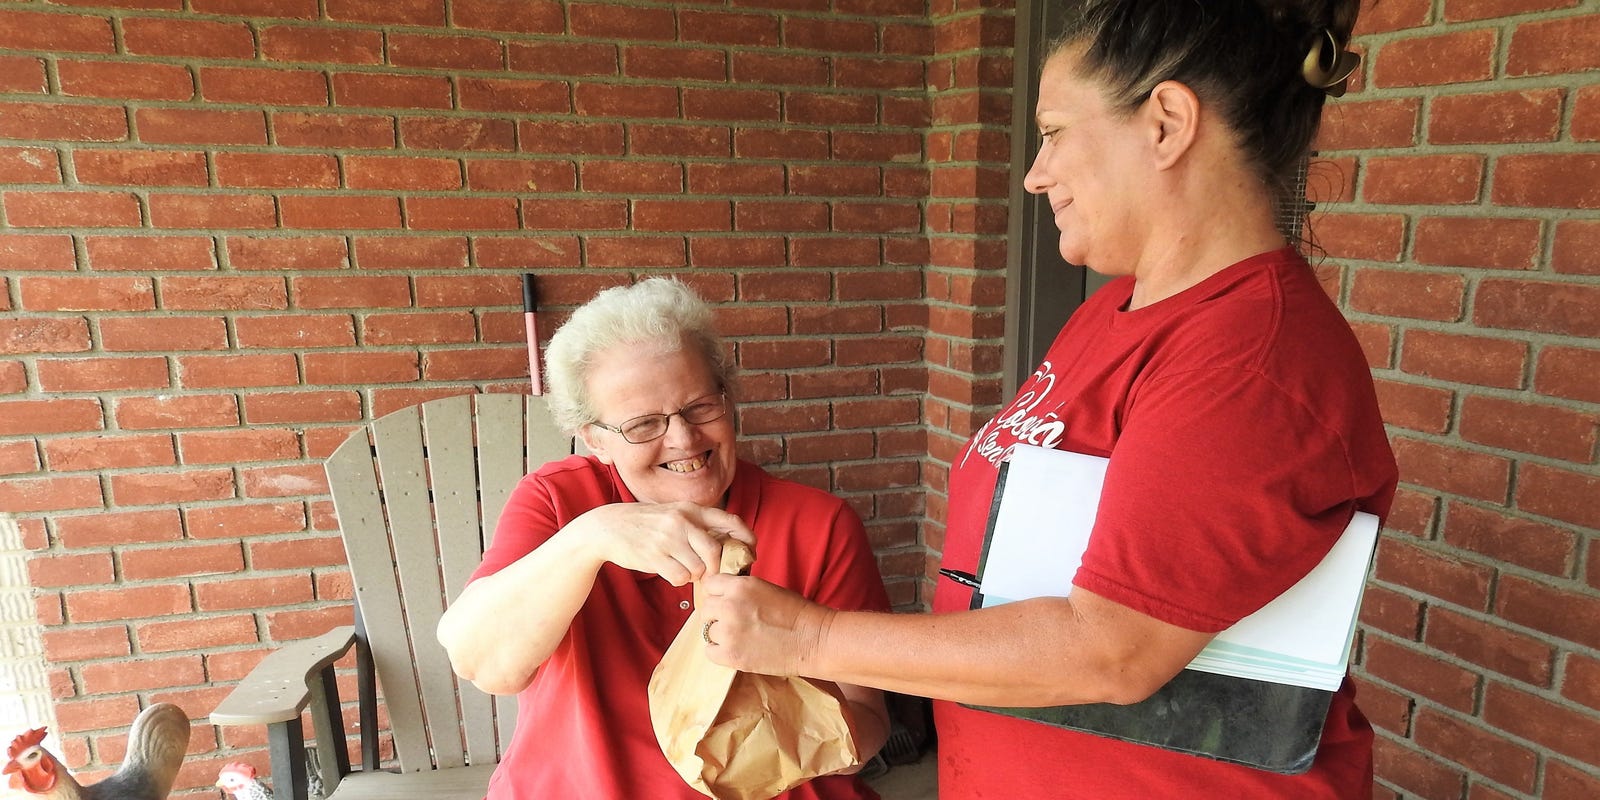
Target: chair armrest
pixel 279 688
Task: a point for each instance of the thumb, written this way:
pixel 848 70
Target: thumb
pixel 716 584
pixel 729 525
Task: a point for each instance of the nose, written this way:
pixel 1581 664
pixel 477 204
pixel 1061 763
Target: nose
pixel 680 433
pixel 1037 181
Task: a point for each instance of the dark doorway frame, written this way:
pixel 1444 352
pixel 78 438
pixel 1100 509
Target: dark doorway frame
pixel 1042 289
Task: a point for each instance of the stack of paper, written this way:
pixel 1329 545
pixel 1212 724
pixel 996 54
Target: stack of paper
pixel 1301 638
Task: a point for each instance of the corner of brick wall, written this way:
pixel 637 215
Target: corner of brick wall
pixel 969 153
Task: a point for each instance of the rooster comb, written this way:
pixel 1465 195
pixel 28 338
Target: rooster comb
pixel 240 767
pixel 25 741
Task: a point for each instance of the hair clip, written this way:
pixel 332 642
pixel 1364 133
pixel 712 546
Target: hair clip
pixel 1328 65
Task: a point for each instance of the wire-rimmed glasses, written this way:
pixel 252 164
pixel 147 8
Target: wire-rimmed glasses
pixel 649 427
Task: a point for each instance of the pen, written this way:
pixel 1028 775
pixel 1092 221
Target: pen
pixel 966 579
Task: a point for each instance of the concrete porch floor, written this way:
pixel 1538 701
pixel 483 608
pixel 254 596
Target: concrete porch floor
pixel 915 781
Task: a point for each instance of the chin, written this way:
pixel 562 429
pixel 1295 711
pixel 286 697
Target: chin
pixel 1070 253
pixel 703 488
pixel 711 495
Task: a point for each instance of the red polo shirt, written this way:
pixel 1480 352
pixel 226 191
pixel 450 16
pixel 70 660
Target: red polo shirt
pixel 583 727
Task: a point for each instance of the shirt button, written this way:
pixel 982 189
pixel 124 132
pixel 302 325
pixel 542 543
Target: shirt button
pixel 683 604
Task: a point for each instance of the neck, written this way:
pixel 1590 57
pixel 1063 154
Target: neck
pixel 1205 223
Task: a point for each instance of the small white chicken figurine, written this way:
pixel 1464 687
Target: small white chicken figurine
pixel 156 746
pixel 239 780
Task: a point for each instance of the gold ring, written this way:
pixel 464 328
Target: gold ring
pixel 705 631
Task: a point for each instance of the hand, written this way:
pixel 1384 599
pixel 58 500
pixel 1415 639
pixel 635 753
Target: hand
pixel 681 542
pixel 761 627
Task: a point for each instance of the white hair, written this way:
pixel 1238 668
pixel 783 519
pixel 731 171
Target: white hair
pixel 658 313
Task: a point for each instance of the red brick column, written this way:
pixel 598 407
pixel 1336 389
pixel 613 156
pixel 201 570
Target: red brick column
pixel 969 152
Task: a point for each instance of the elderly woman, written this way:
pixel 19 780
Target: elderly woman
pixel 590 574
pixel 1232 399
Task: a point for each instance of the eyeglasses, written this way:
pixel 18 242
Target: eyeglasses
pixel 650 427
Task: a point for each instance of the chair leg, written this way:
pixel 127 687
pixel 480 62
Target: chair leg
pixel 328 723
pixel 286 746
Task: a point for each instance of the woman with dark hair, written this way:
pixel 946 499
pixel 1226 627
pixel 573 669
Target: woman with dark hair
pixel 1234 403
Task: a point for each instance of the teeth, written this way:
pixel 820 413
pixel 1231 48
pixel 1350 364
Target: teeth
pixel 686 465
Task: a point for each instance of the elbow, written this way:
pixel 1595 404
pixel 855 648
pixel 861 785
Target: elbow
pixel 454 649
pixel 490 680
pixel 1129 695
pixel 501 685
pixel 480 671
pixel 1084 692
pixel 1129 683
pixel 1117 679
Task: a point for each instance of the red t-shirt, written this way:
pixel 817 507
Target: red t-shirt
pixel 1243 432
pixel 583 725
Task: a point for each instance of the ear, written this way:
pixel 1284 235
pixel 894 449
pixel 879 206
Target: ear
pixel 1175 116
pixel 595 442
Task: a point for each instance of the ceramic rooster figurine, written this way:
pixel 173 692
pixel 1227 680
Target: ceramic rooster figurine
pixel 156 746
pixel 239 781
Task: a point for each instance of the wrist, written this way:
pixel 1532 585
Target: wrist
pixel 579 546
pixel 813 656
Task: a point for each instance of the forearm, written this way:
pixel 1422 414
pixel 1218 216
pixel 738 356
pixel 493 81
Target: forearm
pixel 506 624
pixel 503 626
pixel 869 720
pixel 1041 652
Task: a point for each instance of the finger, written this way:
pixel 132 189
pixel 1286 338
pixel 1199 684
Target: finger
pixel 740 531
pixel 678 554
pixel 720 655
pixel 728 524
pixel 675 572
pixel 707 547
pixel 716 585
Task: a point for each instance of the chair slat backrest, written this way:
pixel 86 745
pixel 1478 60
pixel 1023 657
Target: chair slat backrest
pixel 457 485
pixel 501 422
pixel 418 493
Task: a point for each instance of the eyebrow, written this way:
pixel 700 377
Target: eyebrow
pixel 1038 116
pixel 690 402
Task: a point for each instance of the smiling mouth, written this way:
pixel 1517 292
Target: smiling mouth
pixel 688 464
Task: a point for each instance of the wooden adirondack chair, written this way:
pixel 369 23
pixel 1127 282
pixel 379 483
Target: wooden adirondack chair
pixel 417 493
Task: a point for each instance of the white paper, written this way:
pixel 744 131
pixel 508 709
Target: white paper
pixel 1049 505
pixel 1311 620
pixel 1041 530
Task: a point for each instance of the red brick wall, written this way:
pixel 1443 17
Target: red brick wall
pixel 231 230
pixel 1463 183
pixel 230 233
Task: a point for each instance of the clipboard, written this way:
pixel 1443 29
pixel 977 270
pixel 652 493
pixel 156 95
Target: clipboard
pixel 1257 723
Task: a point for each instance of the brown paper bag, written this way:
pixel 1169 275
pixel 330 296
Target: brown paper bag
pixel 738 735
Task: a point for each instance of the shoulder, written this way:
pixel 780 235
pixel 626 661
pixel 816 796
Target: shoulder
pixel 793 493
pixel 572 468
pixel 780 507
pixel 1269 314
pixel 571 477
pixel 1263 333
